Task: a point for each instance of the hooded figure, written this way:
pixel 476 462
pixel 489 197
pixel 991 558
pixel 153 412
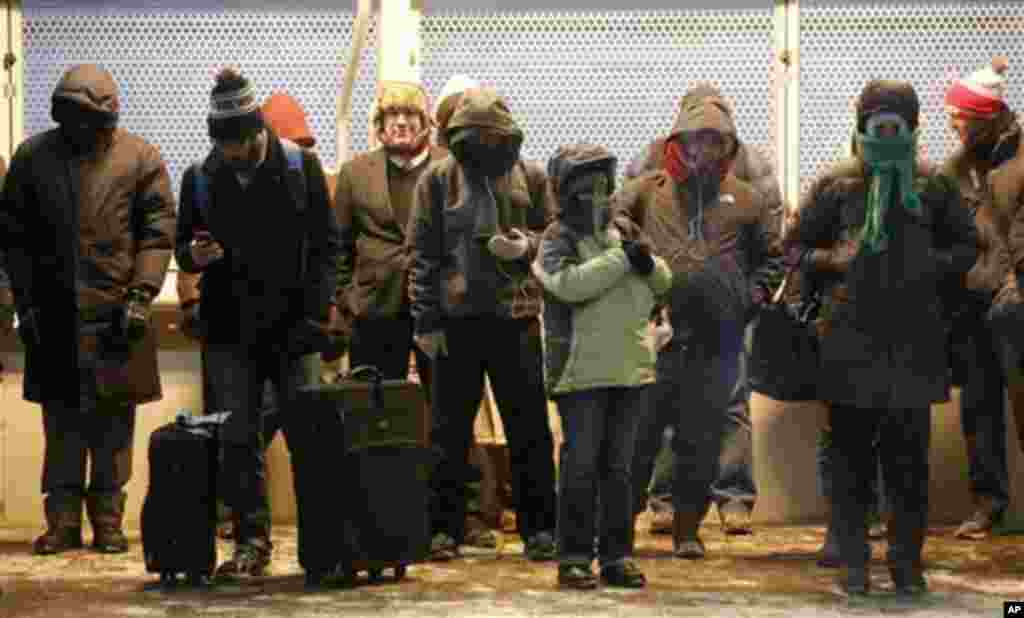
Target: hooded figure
pixel 473 232
pixel 717 237
pixel 990 142
pixel 600 285
pixel 448 100
pixel 882 233
pixel 87 219
pixel 734 491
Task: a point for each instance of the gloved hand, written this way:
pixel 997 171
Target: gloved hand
pixel 612 236
pixel 639 255
pixel 135 317
pixel 837 259
pixel 510 246
pixel 28 327
pixel 433 344
pixel 307 337
pixel 339 332
pixel 661 330
pixel 191 325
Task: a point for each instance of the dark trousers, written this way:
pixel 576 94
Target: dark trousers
pixel 983 415
pixel 385 343
pixel 735 481
pixel 903 441
pixel 599 431
pixel 509 352
pixel 101 434
pixel 694 388
pixel 237 374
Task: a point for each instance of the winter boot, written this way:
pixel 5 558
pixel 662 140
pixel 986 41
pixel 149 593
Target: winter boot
pixel 979 525
pixel 685 539
pixel 106 514
pixel 63 524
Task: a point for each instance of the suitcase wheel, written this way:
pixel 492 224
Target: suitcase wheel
pixel 400 572
pixel 375 574
pixel 168 578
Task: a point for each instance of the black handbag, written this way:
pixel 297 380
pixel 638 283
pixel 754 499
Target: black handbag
pixel 784 358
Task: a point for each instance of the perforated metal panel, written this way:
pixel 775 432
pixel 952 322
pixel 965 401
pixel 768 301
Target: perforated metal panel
pixel 845 43
pixel 165 58
pixel 611 77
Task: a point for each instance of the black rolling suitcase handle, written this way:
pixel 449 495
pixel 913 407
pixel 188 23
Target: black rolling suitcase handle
pixel 370 373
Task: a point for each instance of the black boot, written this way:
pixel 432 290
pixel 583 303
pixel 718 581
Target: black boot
pixel 63 524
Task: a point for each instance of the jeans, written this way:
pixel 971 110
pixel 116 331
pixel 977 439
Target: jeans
pixel 238 375
pixel 983 415
pixel 599 429
pixel 694 388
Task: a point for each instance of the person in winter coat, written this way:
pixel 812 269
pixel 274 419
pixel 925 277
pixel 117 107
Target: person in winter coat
pixel 887 236
pixel 474 229
pixel 600 285
pixel 266 291
pixel 990 141
pixel 87 221
pixel 374 199
pixel 718 238
pixel 734 491
pixel 284 116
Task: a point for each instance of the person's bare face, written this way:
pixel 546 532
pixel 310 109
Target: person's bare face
pixel 242 155
pixel 401 128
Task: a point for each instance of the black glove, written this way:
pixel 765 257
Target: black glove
pixel 135 316
pixel 191 325
pixel 640 258
pixel 28 327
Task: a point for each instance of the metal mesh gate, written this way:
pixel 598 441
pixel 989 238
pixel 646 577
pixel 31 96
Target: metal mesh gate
pixel 164 57
pixel 845 43
pixel 611 77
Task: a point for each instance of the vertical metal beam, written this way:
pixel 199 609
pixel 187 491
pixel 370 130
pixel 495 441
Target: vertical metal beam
pixel 787 99
pixel 12 101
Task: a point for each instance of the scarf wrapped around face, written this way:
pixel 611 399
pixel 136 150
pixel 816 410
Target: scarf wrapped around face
pixel 890 165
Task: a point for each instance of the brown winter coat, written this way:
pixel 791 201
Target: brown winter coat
pixel 884 343
pixel 375 259
pixel 121 238
pixel 713 278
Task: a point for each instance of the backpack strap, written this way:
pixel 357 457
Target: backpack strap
pixel 296 180
pixel 201 190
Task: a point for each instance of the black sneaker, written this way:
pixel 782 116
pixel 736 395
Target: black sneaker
pixel 541 547
pixel 854 582
pixel 908 581
pixel 623 575
pixel 576 577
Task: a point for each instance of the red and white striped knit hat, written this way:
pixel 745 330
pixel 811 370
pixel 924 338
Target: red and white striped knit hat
pixel 982 94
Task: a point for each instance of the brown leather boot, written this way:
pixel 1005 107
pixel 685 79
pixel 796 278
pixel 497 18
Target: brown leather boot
pixel 685 540
pixel 106 514
pixel 63 524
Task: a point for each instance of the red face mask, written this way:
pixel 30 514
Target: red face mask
pixel 681 160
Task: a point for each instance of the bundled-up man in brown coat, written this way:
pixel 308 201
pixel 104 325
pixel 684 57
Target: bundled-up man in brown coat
pixel 734 491
pixel 476 220
pixel 718 237
pixel 374 199
pixel 87 219
pixel 987 168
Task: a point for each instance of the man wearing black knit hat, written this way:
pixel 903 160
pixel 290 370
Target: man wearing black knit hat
pixel 264 235
pixel 86 219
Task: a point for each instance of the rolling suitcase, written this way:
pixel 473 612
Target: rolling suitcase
pixel 179 513
pixel 370 442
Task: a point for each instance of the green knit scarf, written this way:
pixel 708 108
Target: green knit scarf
pixel 890 163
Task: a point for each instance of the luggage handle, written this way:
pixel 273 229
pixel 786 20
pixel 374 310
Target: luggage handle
pixel 184 419
pixel 370 373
